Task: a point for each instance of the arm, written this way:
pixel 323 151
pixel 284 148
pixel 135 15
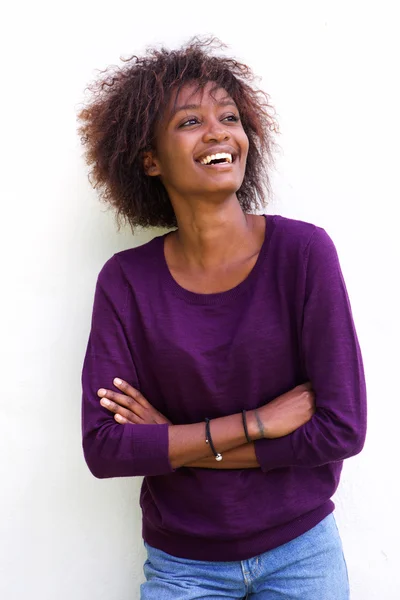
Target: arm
pixel 243 457
pixel 333 363
pixel 153 448
pixel 187 442
pixel 111 450
pixel 278 418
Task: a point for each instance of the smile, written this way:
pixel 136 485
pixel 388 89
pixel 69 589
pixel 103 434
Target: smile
pixel 221 158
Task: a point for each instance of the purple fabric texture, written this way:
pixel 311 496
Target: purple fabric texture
pixel 209 355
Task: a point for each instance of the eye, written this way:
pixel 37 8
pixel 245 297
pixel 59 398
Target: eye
pixel 191 121
pixel 231 118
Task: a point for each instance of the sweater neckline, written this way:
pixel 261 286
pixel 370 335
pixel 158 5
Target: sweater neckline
pixel 216 297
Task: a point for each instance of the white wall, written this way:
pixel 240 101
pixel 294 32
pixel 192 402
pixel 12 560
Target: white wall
pixel 332 71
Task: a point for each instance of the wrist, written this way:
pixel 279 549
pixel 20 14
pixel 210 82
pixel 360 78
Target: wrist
pixel 255 425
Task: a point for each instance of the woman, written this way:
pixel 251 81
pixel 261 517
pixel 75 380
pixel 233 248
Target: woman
pixel 223 363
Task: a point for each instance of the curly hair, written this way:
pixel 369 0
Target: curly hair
pixel 118 124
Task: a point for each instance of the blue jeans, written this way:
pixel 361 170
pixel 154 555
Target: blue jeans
pixel 310 567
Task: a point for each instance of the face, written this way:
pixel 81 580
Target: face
pixel 201 146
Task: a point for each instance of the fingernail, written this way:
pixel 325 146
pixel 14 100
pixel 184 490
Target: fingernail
pixel 101 392
pixel 105 402
pixel 117 381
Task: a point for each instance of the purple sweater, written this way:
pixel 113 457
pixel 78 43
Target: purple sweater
pixel 210 355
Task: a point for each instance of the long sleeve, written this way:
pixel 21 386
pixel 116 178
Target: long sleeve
pixel 110 449
pixel 333 363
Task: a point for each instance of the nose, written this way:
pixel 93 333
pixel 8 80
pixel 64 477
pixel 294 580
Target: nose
pixel 216 132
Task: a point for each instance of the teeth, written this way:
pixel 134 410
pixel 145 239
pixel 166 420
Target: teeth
pixel 207 159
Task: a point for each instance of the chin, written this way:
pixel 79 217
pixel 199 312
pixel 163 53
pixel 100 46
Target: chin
pixel 220 184
pixel 227 188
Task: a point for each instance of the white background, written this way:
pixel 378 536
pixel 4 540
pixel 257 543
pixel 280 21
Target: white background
pixel 331 69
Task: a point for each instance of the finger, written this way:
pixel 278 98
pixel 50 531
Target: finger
pixel 131 391
pixel 307 386
pixel 124 401
pixel 125 413
pixel 120 399
pixel 121 420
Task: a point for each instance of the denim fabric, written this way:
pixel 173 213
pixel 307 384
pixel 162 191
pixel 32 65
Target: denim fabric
pixel 310 567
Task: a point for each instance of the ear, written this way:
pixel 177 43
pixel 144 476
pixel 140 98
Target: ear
pixel 150 164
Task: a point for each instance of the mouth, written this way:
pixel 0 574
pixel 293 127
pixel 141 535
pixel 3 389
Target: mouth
pixel 221 159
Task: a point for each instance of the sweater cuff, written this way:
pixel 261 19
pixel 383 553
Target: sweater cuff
pixel 128 450
pixel 150 449
pixel 274 453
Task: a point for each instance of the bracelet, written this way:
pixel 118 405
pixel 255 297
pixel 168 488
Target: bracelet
pixel 260 424
pixel 217 455
pixel 246 431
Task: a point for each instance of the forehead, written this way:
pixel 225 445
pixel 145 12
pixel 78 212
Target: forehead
pixel 193 93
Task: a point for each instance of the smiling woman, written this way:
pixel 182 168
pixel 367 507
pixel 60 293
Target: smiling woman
pixel 206 371
pixel 131 102
pixel 200 123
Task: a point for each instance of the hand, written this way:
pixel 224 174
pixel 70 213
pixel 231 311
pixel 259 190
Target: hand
pixel 285 414
pixel 131 406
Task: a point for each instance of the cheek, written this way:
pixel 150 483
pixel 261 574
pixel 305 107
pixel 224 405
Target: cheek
pixel 175 156
pixel 245 144
pixel 176 169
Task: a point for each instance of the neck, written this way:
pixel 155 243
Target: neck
pixel 209 234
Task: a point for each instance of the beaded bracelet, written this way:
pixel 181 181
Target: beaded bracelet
pixel 217 455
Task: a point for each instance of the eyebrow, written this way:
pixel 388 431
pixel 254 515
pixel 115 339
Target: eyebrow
pixel 227 102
